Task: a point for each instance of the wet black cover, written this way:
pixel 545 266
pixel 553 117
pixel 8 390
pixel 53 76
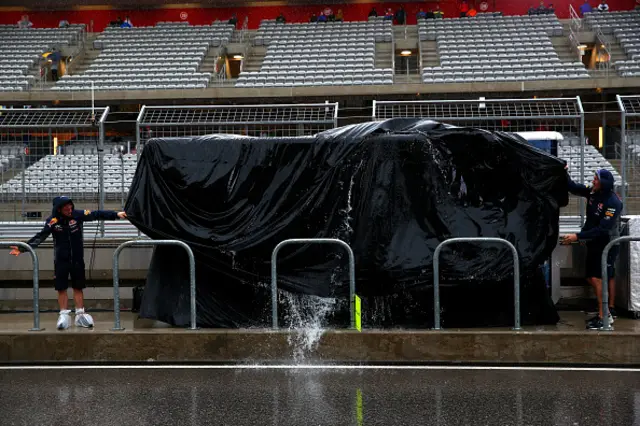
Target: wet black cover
pixel 392 190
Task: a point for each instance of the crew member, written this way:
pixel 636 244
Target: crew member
pixel 602 224
pixel 65 223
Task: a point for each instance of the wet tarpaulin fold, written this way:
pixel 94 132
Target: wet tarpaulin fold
pixel 392 190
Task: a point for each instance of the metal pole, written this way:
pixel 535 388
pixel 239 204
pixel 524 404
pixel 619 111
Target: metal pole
pixel 36 280
pixel 604 125
pixel 582 144
pixel 101 172
pixel 147 243
pixel 605 279
pixel 274 274
pixel 623 153
pixel 436 276
pixel 393 51
pixel 138 121
pixel 122 180
pixel 24 184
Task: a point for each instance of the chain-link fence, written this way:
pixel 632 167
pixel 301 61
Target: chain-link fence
pixel 49 152
pixel 562 115
pixel 280 120
pixel 629 152
pixel 277 120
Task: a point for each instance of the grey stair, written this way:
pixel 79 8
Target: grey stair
pixel 402 32
pixel 86 58
pixel 430 57
pixel 384 52
pixel 253 62
pixel 209 62
pixel 563 48
pixel 617 54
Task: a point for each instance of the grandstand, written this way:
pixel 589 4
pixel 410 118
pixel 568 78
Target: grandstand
pixel 167 56
pixel 312 54
pixel 73 174
pixel 593 160
pixel 496 49
pixel 22 51
pixel 625 27
pixel 9 158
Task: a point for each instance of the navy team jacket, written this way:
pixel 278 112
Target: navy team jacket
pixel 68 241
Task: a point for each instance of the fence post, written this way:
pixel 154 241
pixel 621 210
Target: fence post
pixel 121 180
pixel 274 274
pixel 605 279
pixel 101 196
pixel 581 201
pixel 36 280
pixel 623 153
pixel 24 184
pixel 148 243
pixel 436 276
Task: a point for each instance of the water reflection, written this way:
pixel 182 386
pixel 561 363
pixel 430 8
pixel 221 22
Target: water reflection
pixel 320 397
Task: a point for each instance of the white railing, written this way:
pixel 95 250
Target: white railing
pixel 245 29
pixel 603 50
pixel 576 20
pixel 221 76
pixel 420 65
pixel 575 44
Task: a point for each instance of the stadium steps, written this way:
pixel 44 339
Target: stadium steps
pixel 407 79
pixel 253 62
pixel 405 32
pixel 617 54
pixel 430 57
pixel 563 49
pixel 208 64
pixel 83 61
pixel 384 52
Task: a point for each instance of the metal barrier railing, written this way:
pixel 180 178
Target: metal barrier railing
pixel 36 280
pixel 436 276
pixel 148 243
pixel 274 273
pixel 605 279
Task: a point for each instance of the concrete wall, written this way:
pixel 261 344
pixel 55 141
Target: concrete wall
pixel 284 94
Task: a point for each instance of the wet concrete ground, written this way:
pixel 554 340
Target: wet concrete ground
pixel 288 397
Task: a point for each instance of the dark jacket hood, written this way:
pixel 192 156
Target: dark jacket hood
pixel 606 180
pixel 58 202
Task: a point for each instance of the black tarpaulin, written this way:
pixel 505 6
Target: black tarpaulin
pixel 392 190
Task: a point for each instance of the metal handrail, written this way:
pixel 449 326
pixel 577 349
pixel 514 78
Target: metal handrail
pixel 623 151
pixel 274 273
pixel 575 20
pixel 605 278
pixel 147 243
pixel 436 276
pixel 36 280
pixel 604 45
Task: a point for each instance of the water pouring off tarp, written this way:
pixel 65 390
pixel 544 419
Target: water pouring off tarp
pixel 307 321
pixel 392 190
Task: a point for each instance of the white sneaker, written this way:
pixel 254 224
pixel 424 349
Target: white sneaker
pixel 83 319
pixel 64 320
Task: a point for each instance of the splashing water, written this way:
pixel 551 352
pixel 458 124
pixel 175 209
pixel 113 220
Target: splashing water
pixel 306 317
pixel 346 230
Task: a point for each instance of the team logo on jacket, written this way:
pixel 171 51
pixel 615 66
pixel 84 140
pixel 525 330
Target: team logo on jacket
pixel 72 222
pixel 87 212
pixel 52 222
